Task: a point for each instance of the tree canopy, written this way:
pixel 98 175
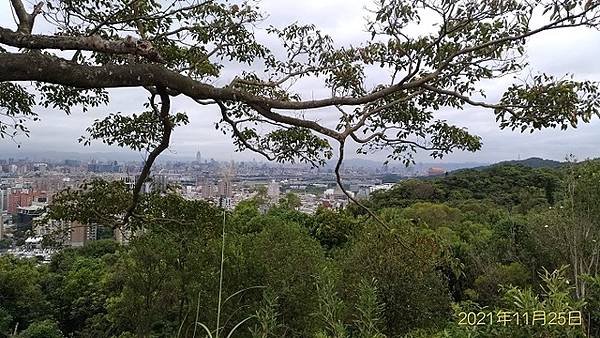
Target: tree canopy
pixel 332 273
pixel 436 53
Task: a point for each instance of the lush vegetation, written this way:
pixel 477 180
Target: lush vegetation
pixel 507 238
pixel 475 240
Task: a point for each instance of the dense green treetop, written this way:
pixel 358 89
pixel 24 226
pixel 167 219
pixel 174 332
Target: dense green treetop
pixel 330 274
pixel 504 185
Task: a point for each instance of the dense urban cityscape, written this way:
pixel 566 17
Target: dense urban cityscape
pixel 27 187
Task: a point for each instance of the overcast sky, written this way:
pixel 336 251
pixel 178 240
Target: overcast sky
pixel 568 51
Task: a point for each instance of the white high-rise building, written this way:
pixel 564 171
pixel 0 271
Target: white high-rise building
pixel 273 190
pixel 3 200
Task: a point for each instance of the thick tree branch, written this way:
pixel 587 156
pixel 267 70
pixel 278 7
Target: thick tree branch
pixel 127 46
pixel 18 67
pixel 26 19
pixel 139 76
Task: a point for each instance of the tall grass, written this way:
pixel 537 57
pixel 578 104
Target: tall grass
pixel 217 331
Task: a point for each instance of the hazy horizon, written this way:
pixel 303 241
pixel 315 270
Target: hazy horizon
pixel 127 156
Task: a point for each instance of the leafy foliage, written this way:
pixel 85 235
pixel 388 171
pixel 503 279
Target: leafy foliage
pixel 184 47
pixel 544 93
pixel 331 274
pixel 409 284
pixel 137 132
pixel 509 186
pixel 65 98
pixel 15 109
pixel 43 329
pixel 96 201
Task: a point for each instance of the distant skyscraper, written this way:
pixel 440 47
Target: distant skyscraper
pixel 273 190
pixel 198 157
pixel 201 181
pixel 207 190
pixel 225 188
pixel 160 183
pixel 225 203
pixel 122 236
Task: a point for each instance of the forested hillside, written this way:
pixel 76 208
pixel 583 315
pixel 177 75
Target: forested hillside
pixel 509 238
pixel 509 251
pixel 507 185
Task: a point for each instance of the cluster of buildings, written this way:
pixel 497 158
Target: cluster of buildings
pixel 27 187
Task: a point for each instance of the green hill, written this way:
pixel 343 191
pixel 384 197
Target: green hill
pixel 532 162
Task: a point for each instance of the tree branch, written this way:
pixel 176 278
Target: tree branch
pixel 237 132
pixel 17 67
pixel 467 99
pixel 26 20
pixel 128 46
pixel 167 125
pixel 338 179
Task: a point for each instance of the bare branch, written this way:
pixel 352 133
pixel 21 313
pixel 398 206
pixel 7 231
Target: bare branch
pixel 338 179
pixel 467 99
pixel 238 133
pixel 26 19
pixel 167 126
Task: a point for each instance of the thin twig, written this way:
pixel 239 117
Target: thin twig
pixel 338 179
